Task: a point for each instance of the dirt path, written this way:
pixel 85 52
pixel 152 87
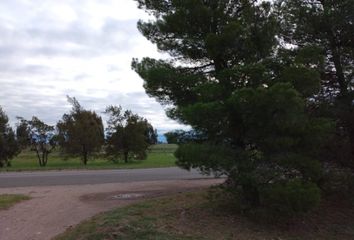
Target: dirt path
pixel 53 209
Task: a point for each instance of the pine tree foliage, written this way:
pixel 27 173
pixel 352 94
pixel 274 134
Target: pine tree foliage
pixel 229 78
pixel 324 29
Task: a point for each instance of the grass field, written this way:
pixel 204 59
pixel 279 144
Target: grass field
pixel 8 200
pixel 190 216
pixel 160 155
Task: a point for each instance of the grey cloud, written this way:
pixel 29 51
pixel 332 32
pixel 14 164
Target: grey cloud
pixel 114 36
pixel 30 84
pixel 113 68
pixel 19 68
pixel 81 76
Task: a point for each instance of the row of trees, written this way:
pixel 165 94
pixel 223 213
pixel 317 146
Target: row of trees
pixel 79 133
pixel 267 87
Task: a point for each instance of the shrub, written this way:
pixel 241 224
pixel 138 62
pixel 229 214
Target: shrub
pixel 290 198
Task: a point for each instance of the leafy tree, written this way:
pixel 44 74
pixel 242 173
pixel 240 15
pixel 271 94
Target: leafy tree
pixel 8 144
pixel 322 31
pixel 230 81
pixel 23 133
pixel 172 137
pixel 40 136
pixel 128 134
pixel 80 132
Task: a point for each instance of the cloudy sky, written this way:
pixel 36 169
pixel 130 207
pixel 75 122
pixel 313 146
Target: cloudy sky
pixel 82 48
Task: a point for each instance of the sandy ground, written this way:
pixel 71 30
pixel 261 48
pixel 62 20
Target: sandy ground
pixel 51 210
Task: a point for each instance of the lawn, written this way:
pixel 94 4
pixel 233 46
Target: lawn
pixel 192 216
pixel 160 155
pixel 8 200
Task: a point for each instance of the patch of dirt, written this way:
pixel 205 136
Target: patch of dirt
pixel 119 196
pixel 52 210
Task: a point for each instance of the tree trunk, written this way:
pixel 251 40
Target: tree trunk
pixel 84 154
pixel 336 56
pixel 39 157
pixel 45 160
pixel 350 126
pixel 85 158
pixel 339 71
pixel 126 157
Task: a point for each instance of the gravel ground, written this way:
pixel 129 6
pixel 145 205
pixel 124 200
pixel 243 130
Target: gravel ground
pixel 54 209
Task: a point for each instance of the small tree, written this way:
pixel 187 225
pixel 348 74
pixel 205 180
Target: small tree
pixel 128 135
pixel 8 145
pixel 80 132
pixel 39 135
pixel 173 136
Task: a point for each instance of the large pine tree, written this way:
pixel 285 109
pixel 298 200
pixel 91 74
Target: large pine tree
pixel 229 79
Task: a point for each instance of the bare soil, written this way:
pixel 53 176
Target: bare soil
pixel 54 209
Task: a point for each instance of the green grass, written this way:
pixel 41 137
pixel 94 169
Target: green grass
pixel 160 155
pixel 191 216
pixel 8 200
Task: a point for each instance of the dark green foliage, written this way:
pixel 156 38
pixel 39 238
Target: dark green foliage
pixel 304 80
pixel 291 197
pixel 8 145
pixel 208 157
pixel 39 135
pixel 324 29
pixel 172 137
pixel 326 25
pixel 128 135
pixel 23 133
pixel 338 182
pixel 233 82
pixel 80 133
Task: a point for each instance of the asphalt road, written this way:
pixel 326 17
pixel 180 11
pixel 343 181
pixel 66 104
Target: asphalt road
pixel 81 177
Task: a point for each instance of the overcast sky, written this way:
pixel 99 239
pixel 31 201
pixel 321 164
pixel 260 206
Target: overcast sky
pixel 82 48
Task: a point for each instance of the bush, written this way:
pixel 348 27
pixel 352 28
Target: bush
pixel 290 198
pixel 338 181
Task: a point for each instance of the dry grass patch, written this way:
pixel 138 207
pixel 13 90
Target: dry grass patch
pixel 192 216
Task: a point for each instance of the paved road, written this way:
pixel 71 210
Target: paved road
pixel 72 177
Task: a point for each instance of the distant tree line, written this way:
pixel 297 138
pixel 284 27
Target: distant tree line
pixel 80 133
